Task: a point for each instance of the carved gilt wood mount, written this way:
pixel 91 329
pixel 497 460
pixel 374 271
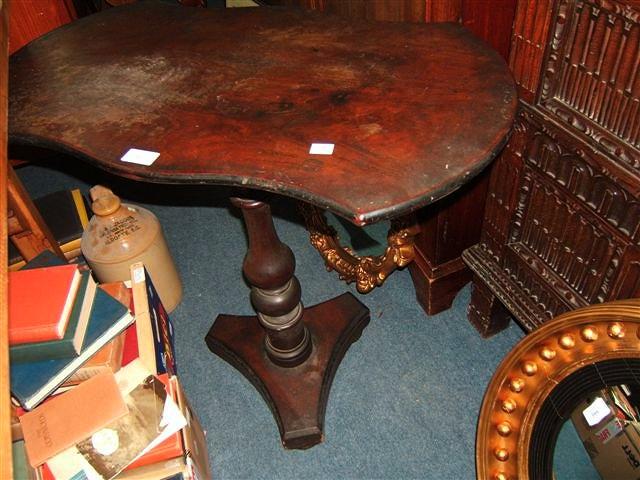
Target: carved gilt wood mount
pixel 367 271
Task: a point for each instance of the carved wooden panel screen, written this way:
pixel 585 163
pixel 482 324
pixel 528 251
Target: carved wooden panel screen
pixel 591 80
pixel 562 221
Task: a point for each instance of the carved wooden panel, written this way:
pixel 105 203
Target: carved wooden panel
pixel 586 184
pixel 563 244
pixel 559 229
pixel 579 219
pixel 591 80
pixel 562 241
pixel 562 221
pixel 628 281
pixel 503 190
pixel 530 29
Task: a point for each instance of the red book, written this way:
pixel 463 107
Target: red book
pixel 130 349
pixel 40 302
pixel 46 472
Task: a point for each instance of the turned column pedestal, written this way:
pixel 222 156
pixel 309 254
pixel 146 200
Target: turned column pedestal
pixel 288 352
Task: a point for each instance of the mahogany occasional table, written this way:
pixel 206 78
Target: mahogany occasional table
pixel 238 97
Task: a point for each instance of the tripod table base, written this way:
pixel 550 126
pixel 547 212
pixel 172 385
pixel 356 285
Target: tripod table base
pixel 297 396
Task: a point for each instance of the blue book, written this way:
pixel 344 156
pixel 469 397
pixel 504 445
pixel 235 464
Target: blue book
pixel 32 382
pixel 45 258
pixel 162 329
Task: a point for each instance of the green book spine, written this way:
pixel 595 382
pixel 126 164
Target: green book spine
pixel 21 468
pixel 63 348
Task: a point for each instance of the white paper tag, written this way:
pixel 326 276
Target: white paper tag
pixel 141 157
pixel 321 148
pixel 595 412
pixel 138 275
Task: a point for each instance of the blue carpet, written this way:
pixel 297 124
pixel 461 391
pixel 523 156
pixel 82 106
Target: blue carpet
pixel 405 400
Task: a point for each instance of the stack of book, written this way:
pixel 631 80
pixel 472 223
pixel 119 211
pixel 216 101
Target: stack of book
pixel 123 416
pixel 58 320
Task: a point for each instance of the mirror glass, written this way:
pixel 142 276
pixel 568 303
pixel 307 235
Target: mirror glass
pixel 363 241
pixel 601 439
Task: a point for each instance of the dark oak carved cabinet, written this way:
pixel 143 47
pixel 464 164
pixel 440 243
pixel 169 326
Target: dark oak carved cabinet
pixel 562 219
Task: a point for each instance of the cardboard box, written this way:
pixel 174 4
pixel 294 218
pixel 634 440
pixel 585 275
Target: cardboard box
pixel 608 425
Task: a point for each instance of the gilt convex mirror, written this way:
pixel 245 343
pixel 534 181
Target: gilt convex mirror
pixel 552 374
pixel 601 437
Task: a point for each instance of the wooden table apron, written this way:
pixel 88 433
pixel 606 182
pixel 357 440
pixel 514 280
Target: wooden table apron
pixel 237 97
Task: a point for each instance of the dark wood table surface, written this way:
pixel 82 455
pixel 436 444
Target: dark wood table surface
pixel 237 97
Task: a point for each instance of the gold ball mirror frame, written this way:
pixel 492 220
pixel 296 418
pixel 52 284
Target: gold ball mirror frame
pixel 543 378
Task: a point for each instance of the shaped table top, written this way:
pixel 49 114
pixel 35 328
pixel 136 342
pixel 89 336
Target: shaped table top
pixel 238 96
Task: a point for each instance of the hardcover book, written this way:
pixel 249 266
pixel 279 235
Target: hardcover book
pixel 152 417
pixel 65 213
pixel 71 417
pixel 119 291
pixel 43 259
pixel 153 325
pixel 107 359
pixel 21 468
pixel 130 349
pixel 32 382
pixel 164 470
pixel 71 343
pixel 40 302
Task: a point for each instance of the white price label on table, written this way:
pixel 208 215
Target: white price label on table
pixel 141 157
pixel 321 149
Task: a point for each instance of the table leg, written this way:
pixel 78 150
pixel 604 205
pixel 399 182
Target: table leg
pixel 288 352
